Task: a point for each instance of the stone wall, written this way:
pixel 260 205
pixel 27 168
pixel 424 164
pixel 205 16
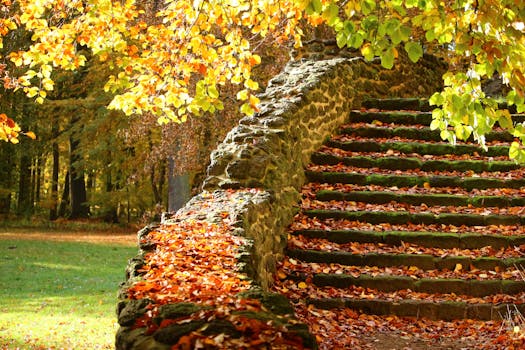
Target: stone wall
pixel 253 185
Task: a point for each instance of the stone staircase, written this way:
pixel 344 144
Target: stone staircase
pixel 396 221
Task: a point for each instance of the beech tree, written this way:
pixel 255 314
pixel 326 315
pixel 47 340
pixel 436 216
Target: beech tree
pixel 480 39
pixel 172 57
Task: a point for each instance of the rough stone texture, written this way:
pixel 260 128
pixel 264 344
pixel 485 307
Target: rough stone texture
pixel 299 110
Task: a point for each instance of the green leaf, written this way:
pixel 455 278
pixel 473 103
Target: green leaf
pixel 514 150
pixel 355 40
pixel 331 14
pixel 435 124
pixel 414 50
pixel 462 132
pixel 368 6
pixel 447 135
pixel 396 37
pixel 436 100
pixel 317 5
pixel 405 32
pixel 519 130
pixel 367 52
pixel 387 59
pixel 341 39
pixel 505 121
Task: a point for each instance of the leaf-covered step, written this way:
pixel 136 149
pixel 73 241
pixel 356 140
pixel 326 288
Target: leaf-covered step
pixel 421 133
pixel 443 240
pixel 338 152
pixel 303 222
pixel 417 147
pixel 311 189
pixel 408 104
pixel 419 179
pixel 483 255
pixel 394 207
pixel 403 117
pixel 300 287
pixel 402 217
pixel 421 261
pixel 397 163
pixel 398 118
pixel 444 310
pixel 377 197
pixel 390 283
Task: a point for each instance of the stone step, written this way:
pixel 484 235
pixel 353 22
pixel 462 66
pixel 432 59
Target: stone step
pixel 431 199
pixel 399 222
pixel 421 133
pixel 397 118
pixel 402 217
pixel 411 104
pixel 303 222
pixel 403 117
pixel 468 183
pixel 445 240
pixel 397 163
pixel 392 283
pixel 408 104
pixel 443 310
pixel 418 147
pixel 399 208
pixel 421 261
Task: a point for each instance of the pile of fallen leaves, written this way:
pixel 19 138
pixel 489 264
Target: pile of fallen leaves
pixel 196 263
pixel 193 261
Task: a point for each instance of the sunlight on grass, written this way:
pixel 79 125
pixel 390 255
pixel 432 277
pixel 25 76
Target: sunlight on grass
pixel 59 295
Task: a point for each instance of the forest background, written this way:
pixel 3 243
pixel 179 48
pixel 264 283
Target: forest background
pixel 88 161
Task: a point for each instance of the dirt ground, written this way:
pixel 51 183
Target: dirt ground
pixel 124 237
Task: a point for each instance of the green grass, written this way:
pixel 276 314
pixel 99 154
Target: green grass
pixel 59 295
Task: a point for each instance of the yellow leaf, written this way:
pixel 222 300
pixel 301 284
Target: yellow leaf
pixel 242 95
pixel 252 85
pixel 302 285
pixel 458 267
pixel 427 185
pixel 30 134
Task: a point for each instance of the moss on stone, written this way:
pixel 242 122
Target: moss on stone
pixel 276 303
pixel 171 334
pixel 171 311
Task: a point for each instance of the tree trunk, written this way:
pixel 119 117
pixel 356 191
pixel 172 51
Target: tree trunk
pixel 178 188
pixel 53 211
pixel 157 183
pixel 64 202
pixel 110 213
pixel 40 163
pixel 79 207
pixel 24 205
pixel 7 164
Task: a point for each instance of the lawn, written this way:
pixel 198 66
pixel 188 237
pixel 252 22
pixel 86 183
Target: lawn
pixel 58 290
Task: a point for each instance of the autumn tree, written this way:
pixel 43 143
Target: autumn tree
pixel 480 39
pixel 173 57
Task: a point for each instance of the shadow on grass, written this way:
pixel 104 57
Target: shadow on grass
pixel 67 286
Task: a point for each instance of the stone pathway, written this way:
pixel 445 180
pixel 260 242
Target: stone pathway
pixel 400 229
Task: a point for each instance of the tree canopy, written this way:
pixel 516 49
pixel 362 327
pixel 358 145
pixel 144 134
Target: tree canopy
pixel 170 58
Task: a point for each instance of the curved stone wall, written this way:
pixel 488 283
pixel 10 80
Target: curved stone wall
pixel 253 184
